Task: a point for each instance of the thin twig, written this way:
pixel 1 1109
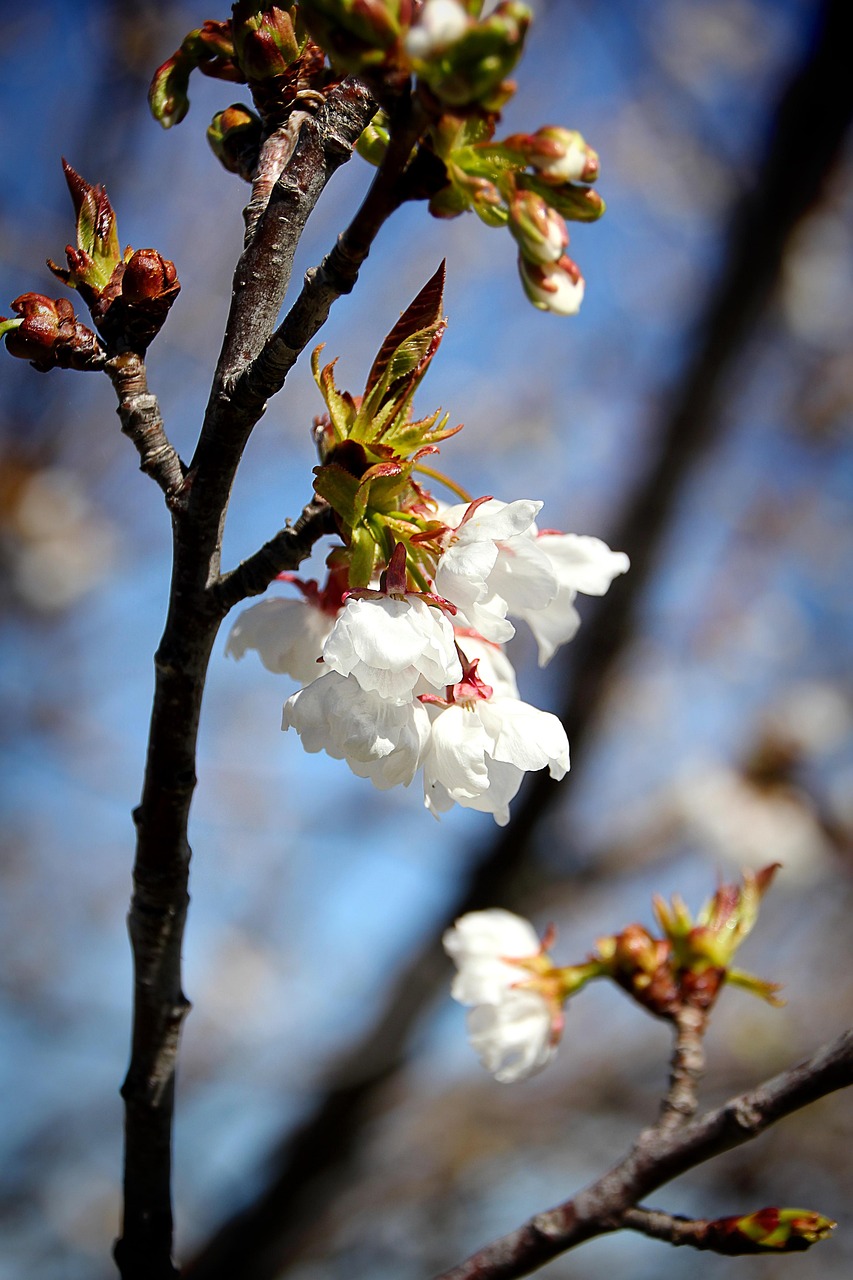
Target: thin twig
pixel 714 1235
pixel 290 546
pixel 661 1153
pixel 688 1064
pixel 142 423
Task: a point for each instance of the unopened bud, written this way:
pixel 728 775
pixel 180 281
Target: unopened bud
pixel 357 34
pixel 210 47
pixel 539 230
pixel 94 258
pixel 148 275
pixel 472 70
pixel 373 141
pixel 265 40
pixel 770 1230
pixel 235 139
pixel 561 155
pixel 440 24
pixel 50 336
pixel 554 286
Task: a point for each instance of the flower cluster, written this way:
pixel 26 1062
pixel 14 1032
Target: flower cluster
pixel 515 992
pixel 400 654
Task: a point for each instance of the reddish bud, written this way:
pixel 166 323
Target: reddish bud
pixel 50 336
pixel 770 1231
pixel 235 139
pixel 148 275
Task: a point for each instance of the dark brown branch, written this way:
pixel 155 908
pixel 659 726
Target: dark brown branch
pixel 142 423
pixel 811 122
pixel 337 273
pixel 286 550
pixel 261 278
pixel 161 870
pixel 660 1155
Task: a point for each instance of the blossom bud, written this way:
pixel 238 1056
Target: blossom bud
pixel 357 34
pixel 92 262
pixel 148 275
pixel 265 40
pixel 235 139
pixel 539 230
pixel 373 141
pixel 555 286
pixel 640 965
pixel 49 335
pixel 440 24
pixel 561 155
pixel 776 1230
pixel 473 69
pixel 209 47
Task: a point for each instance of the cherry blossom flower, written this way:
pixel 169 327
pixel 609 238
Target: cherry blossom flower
pixel 481 745
pixel 514 1022
pixel 388 644
pixel 579 563
pixel 474 570
pixel 288 636
pixel 379 738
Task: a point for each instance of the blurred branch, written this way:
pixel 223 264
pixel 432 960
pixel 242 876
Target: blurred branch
pixel 659 1155
pixel 688 1065
pixel 810 124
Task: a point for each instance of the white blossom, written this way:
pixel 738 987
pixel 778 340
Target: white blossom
pixel 388 644
pixel 288 636
pixel 579 563
pixel 510 1027
pixel 480 749
pixel 491 565
pixel 380 739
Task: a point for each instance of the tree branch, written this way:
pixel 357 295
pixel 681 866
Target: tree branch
pixel 338 272
pixel 142 423
pixel 290 546
pixel 161 870
pixel 660 1154
pixel 688 1065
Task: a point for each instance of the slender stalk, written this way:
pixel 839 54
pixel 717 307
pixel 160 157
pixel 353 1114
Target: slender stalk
pixel 687 1067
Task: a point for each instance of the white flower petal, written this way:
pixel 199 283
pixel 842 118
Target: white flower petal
pixel 583 563
pixel 510 1028
pixel 288 636
pixel 526 737
pixel 512 1039
pixel 388 645
pixel 380 740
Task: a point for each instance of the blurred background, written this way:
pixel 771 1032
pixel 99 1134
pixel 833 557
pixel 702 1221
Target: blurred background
pixel 332 1121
